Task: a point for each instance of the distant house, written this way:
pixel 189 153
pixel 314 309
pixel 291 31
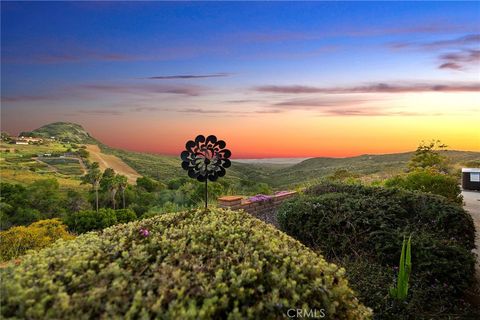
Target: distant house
pixel 471 178
pixel 27 140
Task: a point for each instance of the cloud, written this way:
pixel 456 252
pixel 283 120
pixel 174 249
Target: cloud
pixel 187 90
pixel 372 112
pixel 199 110
pixel 190 76
pixel 371 88
pixel 466 40
pixel 460 60
pixel 21 98
pixel 101 112
pixel 319 102
pixel 466 56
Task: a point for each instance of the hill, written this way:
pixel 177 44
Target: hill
pixel 278 176
pixel 373 166
pixel 62 131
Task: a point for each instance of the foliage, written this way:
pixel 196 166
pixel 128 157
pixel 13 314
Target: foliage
pixel 428 155
pixel 17 240
pixel 429 181
pixel 23 205
pixel 90 220
pixel 369 223
pixel 400 292
pixel 190 265
pixel 93 177
pixel 62 131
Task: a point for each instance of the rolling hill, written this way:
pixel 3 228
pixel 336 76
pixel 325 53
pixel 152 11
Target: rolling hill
pixel 164 168
pixel 62 131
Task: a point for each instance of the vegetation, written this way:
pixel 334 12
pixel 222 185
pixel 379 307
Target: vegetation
pixel 365 225
pixel 189 265
pixel 428 156
pixel 400 292
pixel 430 172
pixel 61 131
pixel 18 240
pixel 429 181
pixel 90 220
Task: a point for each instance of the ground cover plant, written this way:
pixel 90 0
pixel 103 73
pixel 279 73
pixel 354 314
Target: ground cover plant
pixel 188 265
pixel 363 228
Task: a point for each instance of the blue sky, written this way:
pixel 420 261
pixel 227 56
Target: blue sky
pixel 96 61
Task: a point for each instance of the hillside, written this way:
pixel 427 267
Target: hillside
pixel 374 166
pixel 279 176
pixel 62 131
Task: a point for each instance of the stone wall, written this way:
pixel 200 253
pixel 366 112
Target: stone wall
pixel 265 210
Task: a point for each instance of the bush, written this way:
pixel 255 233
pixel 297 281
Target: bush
pixel 125 215
pixel 90 220
pixel 360 224
pixel 191 265
pixel 429 181
pixel 17 240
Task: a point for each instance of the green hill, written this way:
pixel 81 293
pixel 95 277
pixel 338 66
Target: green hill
pixel 62 131
pixel 375 166
pixel 165 168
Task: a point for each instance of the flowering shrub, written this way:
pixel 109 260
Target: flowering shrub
pixel 17 240
pixel 259 198
pixel 193 265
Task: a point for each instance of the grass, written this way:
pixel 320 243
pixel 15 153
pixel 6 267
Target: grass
pixel 17 165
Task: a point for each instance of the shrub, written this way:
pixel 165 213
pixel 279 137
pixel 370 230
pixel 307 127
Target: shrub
pixel 125 215
pixel 90 220
pixel 369 223
pixel 189 265
pixel 429 181
pixel 17 240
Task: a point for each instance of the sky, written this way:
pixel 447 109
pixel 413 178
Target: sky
pixel 285 79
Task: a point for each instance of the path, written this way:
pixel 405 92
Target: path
pixel 472 205
pixel 111 161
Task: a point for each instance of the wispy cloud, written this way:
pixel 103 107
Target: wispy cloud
pixel 96 90
pixel 466 40
pixel 191 76
pixel 23 98
pixel 187 90
pixel 460 60
pixel 101 112
pixel 466 53
pixel 371 88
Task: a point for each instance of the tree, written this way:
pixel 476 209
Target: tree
pixel 122 184
pixel 93 177
pixel 428 156
pixel 112 184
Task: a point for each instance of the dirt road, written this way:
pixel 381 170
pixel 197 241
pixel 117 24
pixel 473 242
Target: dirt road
pixel 111 161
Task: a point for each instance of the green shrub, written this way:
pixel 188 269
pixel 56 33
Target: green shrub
pixel 369 223
pixel 18 240
pixel 192 265
pixel 125 215
pixel 429 181
pixel 89 220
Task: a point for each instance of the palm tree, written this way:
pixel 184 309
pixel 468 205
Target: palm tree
pixel 122 184
pixel 93 177
pixel 113 185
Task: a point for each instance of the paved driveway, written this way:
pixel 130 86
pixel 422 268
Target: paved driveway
pixel 472 205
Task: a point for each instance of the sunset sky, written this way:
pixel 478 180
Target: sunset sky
pixel 272 79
